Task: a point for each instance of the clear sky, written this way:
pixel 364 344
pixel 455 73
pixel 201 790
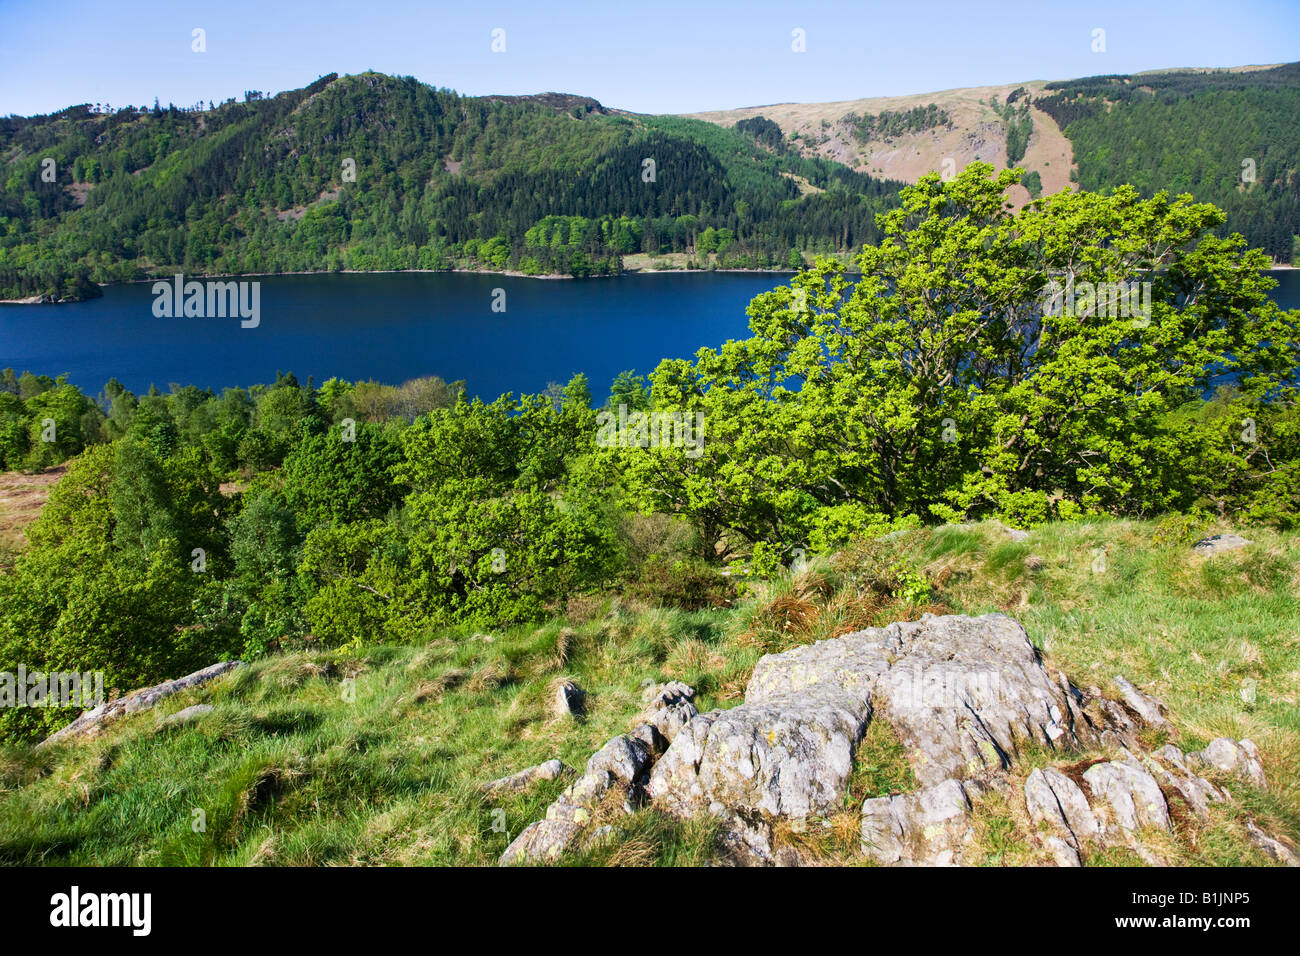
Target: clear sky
pixel 655 56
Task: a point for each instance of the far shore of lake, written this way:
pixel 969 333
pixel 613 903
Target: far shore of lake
pixel 40 299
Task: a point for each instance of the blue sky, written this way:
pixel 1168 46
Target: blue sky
pixel 663 56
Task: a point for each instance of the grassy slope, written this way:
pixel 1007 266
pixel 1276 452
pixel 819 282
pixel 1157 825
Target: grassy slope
pixel 288 772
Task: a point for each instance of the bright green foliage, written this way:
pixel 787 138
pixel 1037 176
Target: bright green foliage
pixel 329 478
pixel 940 384
pixel 104 584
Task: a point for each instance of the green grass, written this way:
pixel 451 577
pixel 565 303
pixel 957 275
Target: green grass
pixel 287 771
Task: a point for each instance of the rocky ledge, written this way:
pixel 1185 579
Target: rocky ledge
pixel 967 696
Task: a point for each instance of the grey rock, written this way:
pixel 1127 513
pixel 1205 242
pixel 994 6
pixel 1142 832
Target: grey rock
pixel 1169 766
pixel 1126 797
pixel 927 828
pixel 743 841
pixel 544 840
pixel 786 751
pixel 619 765
pixel 1239 758
pixel 1219 543
pixel 1115 728
pixel 623 758
pixel 670 708
pixel 1063 854
pixel 92 721
pixel 1145 707
pixel 1015 534
pixel 524 779
pixel 649 735
pixel 569 699
pixel 760 759
pixel 1052 797
pixel 1172 756
pixel 1272 846
pixel 962 693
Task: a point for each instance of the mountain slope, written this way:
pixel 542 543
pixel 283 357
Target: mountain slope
pixel 377 172
pixel 974 131
pixel 1182 130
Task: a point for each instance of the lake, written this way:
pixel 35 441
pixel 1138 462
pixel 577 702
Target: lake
pixel 396 326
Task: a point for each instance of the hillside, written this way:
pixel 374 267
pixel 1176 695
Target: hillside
pixel 373 172
pixel 972 131
pixel 379 756
pixel 1182 130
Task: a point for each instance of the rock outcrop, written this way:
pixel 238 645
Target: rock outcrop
pixel 618 770
pixel 1119 798
pixel 1237 757
pixel 92 721
pixel 964 695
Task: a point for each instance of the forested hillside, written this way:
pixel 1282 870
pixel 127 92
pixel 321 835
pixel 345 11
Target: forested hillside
pixel 1229 138
pixel 373 172
pixel 933 386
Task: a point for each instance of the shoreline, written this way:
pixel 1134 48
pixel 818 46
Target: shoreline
pixel 514 274
pixel 40 299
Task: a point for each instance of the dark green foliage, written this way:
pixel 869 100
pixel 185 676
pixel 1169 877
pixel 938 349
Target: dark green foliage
pixel 1192 132
pixel 441 181
pixel 888 124
pixel 764 132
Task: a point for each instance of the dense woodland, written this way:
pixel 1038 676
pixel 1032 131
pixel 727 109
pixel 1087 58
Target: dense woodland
pixel 1191 132
pixel 934 386
pixel 373 172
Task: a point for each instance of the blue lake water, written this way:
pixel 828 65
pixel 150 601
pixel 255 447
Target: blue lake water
pixel 394 327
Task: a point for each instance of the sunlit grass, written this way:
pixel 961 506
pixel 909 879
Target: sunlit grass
pixel 377 756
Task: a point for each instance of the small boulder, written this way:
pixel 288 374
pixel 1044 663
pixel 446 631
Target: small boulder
pixel 569 698
pixel 1126 797
pixel 1145 707
pixel 927 828
pixel 524 779
pixel 541 841
pixel 1053 798
pixel 1219 543
pixel 1271 846
pixel 1239 758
